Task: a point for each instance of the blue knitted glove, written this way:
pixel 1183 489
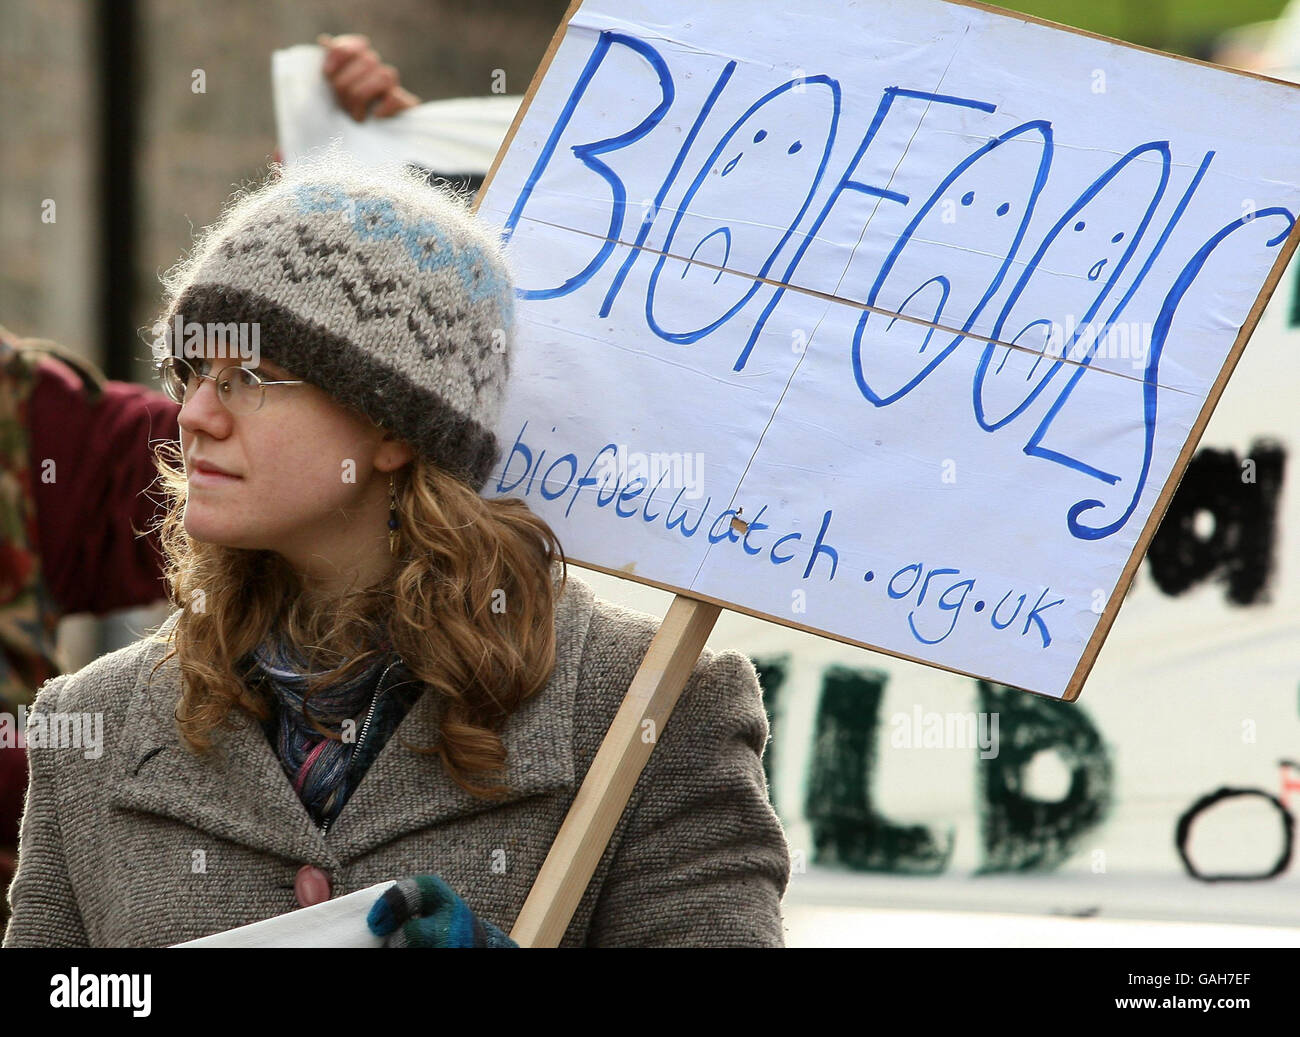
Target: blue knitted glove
pixel 423 911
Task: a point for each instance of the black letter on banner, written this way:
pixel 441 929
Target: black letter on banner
pixel 846 828
pixel 1022 833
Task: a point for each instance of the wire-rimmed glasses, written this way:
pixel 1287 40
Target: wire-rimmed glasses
pixel 240 389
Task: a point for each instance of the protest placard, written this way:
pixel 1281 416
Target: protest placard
pixel 892 321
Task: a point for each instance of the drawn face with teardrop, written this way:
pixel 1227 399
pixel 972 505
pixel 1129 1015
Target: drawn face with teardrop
pixel 1059 309
pixel 741 208
pixel 948 262
pixel 1126 461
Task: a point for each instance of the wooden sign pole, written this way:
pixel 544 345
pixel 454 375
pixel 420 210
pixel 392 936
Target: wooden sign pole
pixel 609 783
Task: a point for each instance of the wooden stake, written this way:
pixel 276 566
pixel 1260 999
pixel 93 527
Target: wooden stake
pixel 608 785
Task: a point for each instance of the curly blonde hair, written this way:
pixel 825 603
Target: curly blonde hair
pixel 469 605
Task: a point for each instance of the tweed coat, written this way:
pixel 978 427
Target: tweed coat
pixel 150 844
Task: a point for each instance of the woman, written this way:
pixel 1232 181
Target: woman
pixel 373 672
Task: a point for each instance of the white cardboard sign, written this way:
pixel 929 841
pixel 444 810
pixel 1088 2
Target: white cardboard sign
pixel 893 320
pixel 340 922
pixel 453 136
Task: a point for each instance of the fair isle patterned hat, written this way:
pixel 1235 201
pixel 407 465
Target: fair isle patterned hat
pixel 376 286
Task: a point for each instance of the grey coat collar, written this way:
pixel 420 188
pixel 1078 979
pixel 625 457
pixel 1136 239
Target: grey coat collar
pixel 240 792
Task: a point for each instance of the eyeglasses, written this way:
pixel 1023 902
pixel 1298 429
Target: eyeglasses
pixel 240 389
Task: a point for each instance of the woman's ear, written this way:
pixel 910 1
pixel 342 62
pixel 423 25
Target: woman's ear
pixel 393 453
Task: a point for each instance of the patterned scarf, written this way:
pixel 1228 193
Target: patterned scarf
pixel 320 767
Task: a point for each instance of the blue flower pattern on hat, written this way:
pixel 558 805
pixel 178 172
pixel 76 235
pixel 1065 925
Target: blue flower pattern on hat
pixel 376 219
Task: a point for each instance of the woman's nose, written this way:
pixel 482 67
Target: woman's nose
pixel 202 411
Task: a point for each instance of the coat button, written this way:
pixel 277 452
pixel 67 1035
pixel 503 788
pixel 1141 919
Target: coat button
pixel 311 886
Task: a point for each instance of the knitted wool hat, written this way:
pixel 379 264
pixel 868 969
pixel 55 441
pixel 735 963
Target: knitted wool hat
pixel 378 287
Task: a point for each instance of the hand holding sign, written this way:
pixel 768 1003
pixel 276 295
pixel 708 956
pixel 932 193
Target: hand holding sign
pixel 363 84
pixel 423 911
